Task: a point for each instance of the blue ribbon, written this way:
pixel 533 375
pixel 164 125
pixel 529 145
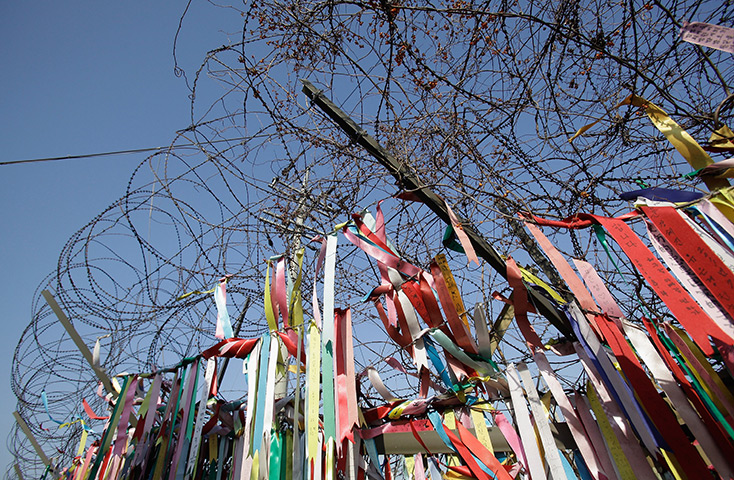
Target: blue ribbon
pixel 662 195
pixel 262 369
pixel 437 363
pixel 658 439
pixel 44 399
pixel 718 229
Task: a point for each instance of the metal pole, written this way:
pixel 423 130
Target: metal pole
pixel 410 181
pixel 39 451
pixel 99 371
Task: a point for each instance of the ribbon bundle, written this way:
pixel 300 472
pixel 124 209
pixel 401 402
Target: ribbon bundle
pixel 654 401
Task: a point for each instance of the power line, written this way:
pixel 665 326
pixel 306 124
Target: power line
pixel 117 152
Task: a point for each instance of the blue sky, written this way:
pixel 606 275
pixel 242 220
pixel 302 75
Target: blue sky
pixel 81 77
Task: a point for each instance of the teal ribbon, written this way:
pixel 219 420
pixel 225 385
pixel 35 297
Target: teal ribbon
pixel 437 423
pixel 276 445
pixel 262 380
pixel 358 233
pixel 482 367
pixel 692 174
pixel 602 236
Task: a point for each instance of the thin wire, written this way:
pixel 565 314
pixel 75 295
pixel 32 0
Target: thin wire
pixel 117 152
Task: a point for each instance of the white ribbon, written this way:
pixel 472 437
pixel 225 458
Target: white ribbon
pixel 627 439
pixel 574 424
pixel 522 417
pixel 552 457
pixel 199 424
pixel 483 338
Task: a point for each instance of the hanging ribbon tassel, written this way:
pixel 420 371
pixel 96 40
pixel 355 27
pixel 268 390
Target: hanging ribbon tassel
pixel 345 377
pixel 268 408
pixel 253 367
pixel 617 387
pixel 665 379
pixel 178 465
pixel 552 456
pixel 112 425
pixel 313 390
pixel 259 422
pixel 522 417
pixel 663 418
pixel 224 326
pixel 200 415
pixel 327 353
pixel 574 424
pixel 622 443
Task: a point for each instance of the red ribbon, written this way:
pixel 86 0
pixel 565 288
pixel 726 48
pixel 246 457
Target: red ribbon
pixel 231 348
pixel 655 406
pixel 684 308
pixel 90 412
pixel 699 257
pixel 521 302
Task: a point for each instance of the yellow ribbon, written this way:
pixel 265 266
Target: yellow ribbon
pixel 531 278
pixel 722 137
pixel 296 303
pixel 480 428
pixel 676 135
pixel 269 314
pixel 453 290
pixel 195 292
pixel 623 466
pixel 82 442
pixel 312 402
pixel 397 412
pixel 724 201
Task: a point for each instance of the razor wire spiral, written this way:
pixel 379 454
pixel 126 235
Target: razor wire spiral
pixel 478 98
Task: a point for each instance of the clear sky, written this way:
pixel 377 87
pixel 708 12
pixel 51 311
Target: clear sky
pixel 81 77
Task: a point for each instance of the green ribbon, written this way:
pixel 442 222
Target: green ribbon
pixel 480 366
pixel 602 236
pixel 276 451
pixel 114 420
pixel 450 241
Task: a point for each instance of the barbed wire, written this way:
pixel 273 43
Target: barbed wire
pixel 479 98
